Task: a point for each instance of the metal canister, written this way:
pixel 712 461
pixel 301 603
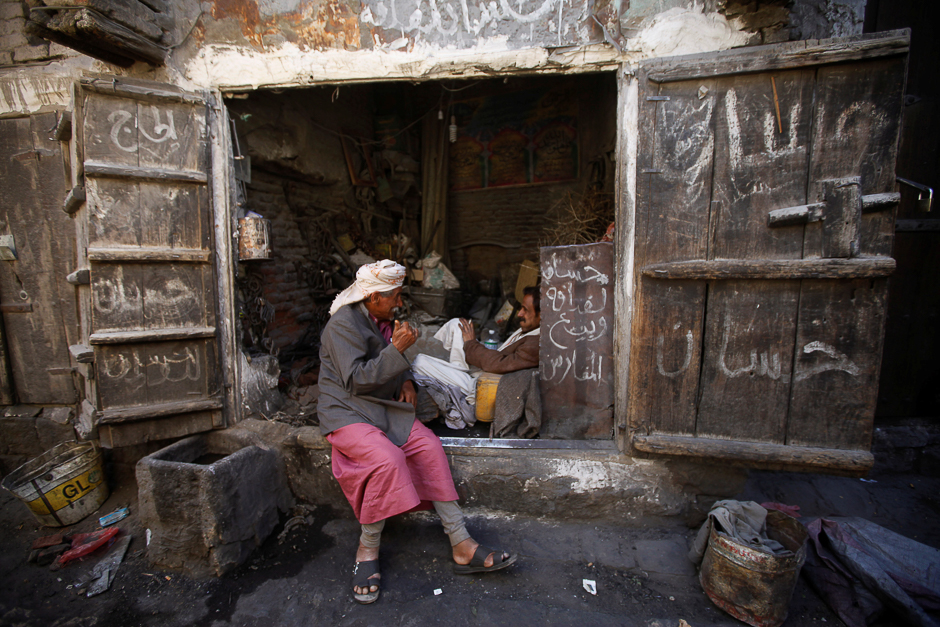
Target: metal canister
pixel 487 383
pixel 755 586
pixel 254 238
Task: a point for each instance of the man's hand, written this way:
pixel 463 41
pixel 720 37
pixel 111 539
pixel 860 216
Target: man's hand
pixel 403 336
pixel 408 394
pixel 466 329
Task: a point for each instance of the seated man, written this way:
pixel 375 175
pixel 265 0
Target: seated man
pixel 451 382
pixel 386 462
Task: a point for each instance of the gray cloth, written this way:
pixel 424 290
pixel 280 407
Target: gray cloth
pixel 861 569
pixel 518 409
pixel 458 413
pixel 361 375
pixel 742 521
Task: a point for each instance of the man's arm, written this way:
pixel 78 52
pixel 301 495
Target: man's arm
pixel 521 355
pixel 347 344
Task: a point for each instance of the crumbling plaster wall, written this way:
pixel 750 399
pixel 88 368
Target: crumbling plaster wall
pixel 303 41
pixel 233 44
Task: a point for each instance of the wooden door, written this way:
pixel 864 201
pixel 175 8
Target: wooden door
pixel 144 155
pixel 764 223
pixel 38 305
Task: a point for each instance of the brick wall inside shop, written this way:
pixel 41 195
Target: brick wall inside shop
pixel 292 138
pixel 286 277
pixel 505 224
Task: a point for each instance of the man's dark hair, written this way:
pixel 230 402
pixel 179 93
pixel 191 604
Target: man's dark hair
pixel 534 291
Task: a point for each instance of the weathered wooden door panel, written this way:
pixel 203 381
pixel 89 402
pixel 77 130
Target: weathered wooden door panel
pixel 764 218
pixel 149 247
pixel 748 354
pixel 835 375
pixel 175 214
pixel 758 167
pixel 666 354
pixel 860 139
pixel 129 296
pixel 159 134
pixel 155 373
pixel 667 339
pixel 38 305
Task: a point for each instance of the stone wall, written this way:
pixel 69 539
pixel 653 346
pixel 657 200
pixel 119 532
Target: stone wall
pixel 909 445
pixel 29 430
pixel 15 45
pixel 600 485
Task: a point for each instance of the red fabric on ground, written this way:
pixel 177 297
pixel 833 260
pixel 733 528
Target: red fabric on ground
pixel 381 480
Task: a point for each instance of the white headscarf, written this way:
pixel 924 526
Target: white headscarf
pixel 380 276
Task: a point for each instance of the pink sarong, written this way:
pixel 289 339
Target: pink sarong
pixel 381 480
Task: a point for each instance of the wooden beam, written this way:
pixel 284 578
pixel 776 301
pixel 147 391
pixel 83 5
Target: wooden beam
pixel 119 86
pixel 134 15
pixel 82 353
pixel 873 203
pixel 778 56
pixel 63 128
pixel 82 276
pixel 721 269
pixel 93 30
pixel 151 335
pixel 143 255
pixel 133 414
pixel 94 168
pixel 917 226
pixel 74 200
pixel 39 29
pixel 761 453
pixel 166 428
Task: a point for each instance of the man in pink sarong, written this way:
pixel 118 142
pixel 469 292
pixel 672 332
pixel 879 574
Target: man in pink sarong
pixel 386 462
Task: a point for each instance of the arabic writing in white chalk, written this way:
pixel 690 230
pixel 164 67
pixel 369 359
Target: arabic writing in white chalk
pixel 592 369
pixel 690 346
pixel 127 123
pixel 152 370
pixel 759 363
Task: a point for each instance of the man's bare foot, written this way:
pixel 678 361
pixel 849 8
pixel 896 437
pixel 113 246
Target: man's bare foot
pixel 463 553
pixel 366 554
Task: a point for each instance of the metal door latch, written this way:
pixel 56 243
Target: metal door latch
pixel 923 204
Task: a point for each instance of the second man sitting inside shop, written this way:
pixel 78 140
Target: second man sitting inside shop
pixel 452 383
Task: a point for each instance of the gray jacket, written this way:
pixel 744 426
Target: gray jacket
pixel 361 375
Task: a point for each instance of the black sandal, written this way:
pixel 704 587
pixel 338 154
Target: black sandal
pixel 361 574
pixel 478 561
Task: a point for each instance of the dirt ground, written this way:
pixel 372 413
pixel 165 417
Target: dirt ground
pixel 641 573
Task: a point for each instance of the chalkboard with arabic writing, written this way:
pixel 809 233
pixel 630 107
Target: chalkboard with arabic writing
pixel 515 139
pixel 576 342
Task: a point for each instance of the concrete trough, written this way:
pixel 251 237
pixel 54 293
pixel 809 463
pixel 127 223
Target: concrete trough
pixel 209 500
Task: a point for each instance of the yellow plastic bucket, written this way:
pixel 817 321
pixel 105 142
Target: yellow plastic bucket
pixel 486 396
pixel 63 485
